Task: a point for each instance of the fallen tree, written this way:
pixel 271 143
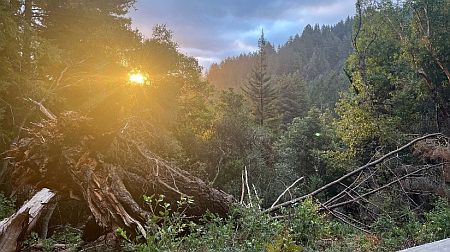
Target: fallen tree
pixel 353 173
pixel 20 224
pixel 422 170
pixel 109 172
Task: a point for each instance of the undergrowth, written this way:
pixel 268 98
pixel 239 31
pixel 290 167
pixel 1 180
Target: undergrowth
pixel 7 207
pixel 301 228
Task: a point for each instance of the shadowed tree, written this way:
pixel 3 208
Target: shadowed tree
pixel 293 97
pixel 259 89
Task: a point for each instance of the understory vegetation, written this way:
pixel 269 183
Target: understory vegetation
pixel 301 228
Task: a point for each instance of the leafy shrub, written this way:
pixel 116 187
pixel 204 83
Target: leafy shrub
pixel 437 222
pixel 410 230
pixel 283 243
pixel 68 236
pixel 169 229
pixel 307 225
pixel 7 207
pixel 166 225
pixel 302 229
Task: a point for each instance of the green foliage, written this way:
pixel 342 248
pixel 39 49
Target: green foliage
pixel 302 229
pixel 395 72
pixel 165 228
pixel 283 243
pixel 65 235
pixel 235 141
pixel 301 147
pixel 307 225
pixel 259 89
pixel 359 128
pixel 437 222
pixel 292 101
pixel 409 229
pixel 246 229
pixel 7 206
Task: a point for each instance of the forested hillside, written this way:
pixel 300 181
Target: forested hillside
pixel 317 55
pixel 338 140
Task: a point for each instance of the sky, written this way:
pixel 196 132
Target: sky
pixel 211 30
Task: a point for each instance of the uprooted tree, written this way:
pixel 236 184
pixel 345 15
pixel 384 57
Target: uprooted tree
pixel 108 171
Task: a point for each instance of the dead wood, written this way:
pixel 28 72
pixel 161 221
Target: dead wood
pixel 14 228
pixel 365 195
pixel 350 174
pixel 109 172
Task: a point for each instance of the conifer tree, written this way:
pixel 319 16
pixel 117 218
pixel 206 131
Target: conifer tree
pixel 292 101
pixel 259 89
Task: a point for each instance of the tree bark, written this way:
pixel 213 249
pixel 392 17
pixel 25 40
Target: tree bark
pixel 14 228
pixel 28 22
pixel 109 172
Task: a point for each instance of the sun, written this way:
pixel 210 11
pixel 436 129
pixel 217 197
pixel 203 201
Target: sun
pixel 137 78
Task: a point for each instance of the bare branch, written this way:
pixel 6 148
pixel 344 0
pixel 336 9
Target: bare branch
pixel 350 174
pixel 248 187
pixel 243 188
pixel 43 109
pixel 285 191
pixel 380 188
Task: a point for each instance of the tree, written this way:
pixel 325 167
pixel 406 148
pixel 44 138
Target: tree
pixel 259 89
pixel 318 55
pixel 292 100
pixel 298 149
pixel 398 75
pixel 10 60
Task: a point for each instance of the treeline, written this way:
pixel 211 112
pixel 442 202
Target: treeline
pixel 317 56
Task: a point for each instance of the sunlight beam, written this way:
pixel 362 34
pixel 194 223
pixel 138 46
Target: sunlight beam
pixel 137 78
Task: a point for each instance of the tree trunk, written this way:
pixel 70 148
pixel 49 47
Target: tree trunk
pixel 45 220
pixel 28 19
pixel 14 228
pixel 109 172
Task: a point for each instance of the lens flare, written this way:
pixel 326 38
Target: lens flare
pixel 137 78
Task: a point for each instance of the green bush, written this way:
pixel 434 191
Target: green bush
pixel 246 229
pixel 303 228
pixel 437 222
pixel 307 225
pixel 65 235
pixel 7 207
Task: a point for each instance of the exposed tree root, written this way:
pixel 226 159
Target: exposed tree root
pixel 109 172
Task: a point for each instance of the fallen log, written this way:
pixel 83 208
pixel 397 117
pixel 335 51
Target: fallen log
pixel 14 228
pixel 350 174
pixel 110 172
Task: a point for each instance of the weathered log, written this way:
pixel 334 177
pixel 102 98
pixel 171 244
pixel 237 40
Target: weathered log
pixel 109 172
pixel 14 228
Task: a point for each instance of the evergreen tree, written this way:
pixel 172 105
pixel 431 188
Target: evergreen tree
pixel 318 54
pixel 259 88
pixel 293 97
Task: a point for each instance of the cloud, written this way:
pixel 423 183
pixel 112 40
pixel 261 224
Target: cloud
pixel 211 30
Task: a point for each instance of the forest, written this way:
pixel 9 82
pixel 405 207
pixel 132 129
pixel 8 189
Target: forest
pixel 336 140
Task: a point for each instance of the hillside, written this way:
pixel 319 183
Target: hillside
pixel 318 54
pixel 111 139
